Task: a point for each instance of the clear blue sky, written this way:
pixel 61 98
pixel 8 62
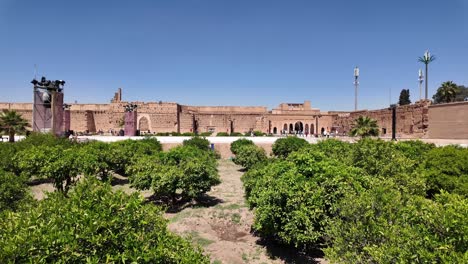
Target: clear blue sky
pixel 212 52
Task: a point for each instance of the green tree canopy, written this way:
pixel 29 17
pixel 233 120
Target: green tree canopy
pixel 11 123
pixel 446 93
pixel 93 225
pixel 236 145
pixel 404 97
pixel 249 155
pixel 365 127
pixel 284 146
pixel 462 93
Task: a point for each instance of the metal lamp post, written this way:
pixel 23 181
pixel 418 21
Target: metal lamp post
pixel 356 85
pixel 420 79
pixel 393 107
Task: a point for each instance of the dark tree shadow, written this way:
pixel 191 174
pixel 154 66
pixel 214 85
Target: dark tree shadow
pixel 290 254
pixel 34 182
pixel 176 205
pixel 118 181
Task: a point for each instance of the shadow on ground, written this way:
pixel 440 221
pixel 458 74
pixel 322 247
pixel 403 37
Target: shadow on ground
pixel 119 180
pixel 289 254
pixel 39 182
pixel 177 205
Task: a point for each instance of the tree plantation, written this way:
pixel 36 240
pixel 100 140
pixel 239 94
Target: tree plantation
pixel 85 221
pixel 372 201
pixel 368 202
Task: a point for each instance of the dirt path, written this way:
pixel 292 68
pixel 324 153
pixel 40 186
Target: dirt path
pixel 223 229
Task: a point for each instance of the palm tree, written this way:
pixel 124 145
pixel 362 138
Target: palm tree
pixel 446 93
pixel 364 127
pixel 426 59
pixel 11 122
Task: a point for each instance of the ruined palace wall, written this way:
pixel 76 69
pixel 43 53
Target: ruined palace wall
pixel 24 109
pixel 448 121
pixel 78 121
pixel 186 121
pixel 222 122
pixel 225 109
pixel 89 107
pixel 411 120
pixel 310 122
pixel 16 106
pixel 163 117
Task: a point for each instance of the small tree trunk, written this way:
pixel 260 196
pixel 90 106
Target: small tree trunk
pixel 11 135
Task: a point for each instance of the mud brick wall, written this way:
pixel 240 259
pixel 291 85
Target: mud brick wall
pixel 78 121
pixel 25 109
pixel 212 122
pixel 163 117
pixel 411 120
pixel 419 120
pixel 448 121
pixel 245 123
pixel 186 121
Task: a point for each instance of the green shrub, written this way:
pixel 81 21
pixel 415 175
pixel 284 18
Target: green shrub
pixel 446 169
pixel 294 199
pixel 235 145
pixel 384 225
pixel 381 158
pixel 188 134
pixel 206 134
pixel 236 134
pixel 198 142
pixel 96 159
pixel 13 191
pixel 29 162
pixel 93 225
pixel 123 152
pixel 284 146
pixel 7 153
pixel 336 149
pixel 365 202
pixel 222 134
pixel 249 155
pixel 43 139
pixel 163 134
pixel 62 165
pixel 258 133
pixel 184 172
pixel 414 149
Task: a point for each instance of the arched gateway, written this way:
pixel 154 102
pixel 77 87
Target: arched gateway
pixel 143 124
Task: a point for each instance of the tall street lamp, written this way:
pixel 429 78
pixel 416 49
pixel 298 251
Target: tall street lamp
pixel 393 107
pixel 420 79
pixel 426 59
pixel 356 85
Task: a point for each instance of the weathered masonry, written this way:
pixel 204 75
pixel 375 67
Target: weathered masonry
pixel 419 120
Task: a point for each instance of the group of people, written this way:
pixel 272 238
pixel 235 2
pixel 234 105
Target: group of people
pixel 301 133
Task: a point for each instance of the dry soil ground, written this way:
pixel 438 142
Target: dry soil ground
pixel 223 228
pixel 221 225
